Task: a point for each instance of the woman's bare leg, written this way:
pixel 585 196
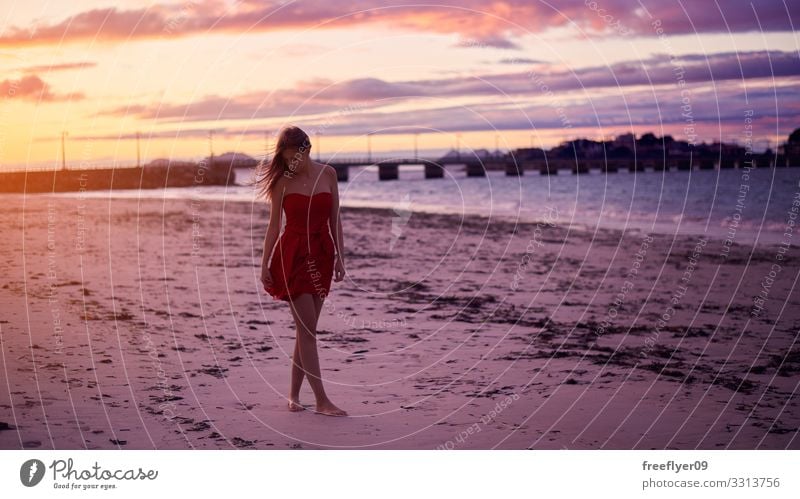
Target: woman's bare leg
pixel 297 378
pixel 317 307
pixel 297 363
pixel 305 313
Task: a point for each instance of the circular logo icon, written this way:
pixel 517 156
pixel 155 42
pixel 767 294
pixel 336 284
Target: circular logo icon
pixel 31 472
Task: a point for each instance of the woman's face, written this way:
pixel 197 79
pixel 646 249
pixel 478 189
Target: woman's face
pixel 292 154
pixel 294 158
pixel 288 154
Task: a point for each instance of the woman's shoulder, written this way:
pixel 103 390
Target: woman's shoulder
pixel 278 189
pixel 326 168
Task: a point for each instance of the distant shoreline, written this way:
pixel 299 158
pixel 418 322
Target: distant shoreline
pixel 449 218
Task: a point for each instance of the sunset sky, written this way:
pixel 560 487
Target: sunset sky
pixel 519 72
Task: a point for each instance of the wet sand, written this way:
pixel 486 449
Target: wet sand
pixel 143 325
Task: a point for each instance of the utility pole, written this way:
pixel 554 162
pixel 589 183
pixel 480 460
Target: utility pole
pixel 63 151
pixel 211 147
pixel 138 152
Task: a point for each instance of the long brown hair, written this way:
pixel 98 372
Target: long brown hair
pixel 268 173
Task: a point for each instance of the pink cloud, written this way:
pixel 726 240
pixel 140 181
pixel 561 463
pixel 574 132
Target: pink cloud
pixel 479 22
pixel 718 115
pixel 323 96
pixel 32 88
pixel 57 67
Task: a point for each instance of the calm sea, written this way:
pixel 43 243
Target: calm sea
pixel 754 206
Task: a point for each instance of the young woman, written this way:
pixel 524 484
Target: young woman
pixel 306 257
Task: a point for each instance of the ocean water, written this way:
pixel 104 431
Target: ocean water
pixel 748 207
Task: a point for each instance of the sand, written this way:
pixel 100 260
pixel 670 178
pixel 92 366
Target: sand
pixel 141 324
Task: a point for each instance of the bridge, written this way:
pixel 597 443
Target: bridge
pixel 184 174
pixel 389 168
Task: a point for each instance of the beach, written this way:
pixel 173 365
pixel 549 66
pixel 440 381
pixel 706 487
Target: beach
pixel 142 324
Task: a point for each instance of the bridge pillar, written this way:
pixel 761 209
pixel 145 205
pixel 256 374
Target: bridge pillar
pixel 342 172
pixel 388 171
pixel 475 169
pixel 635 165
pixel 707 164
pixel 610 166
pixel 762 161
pixel 514 169
pixel 432 170
pixel 659 165
pixel 548 168
pixel 580 166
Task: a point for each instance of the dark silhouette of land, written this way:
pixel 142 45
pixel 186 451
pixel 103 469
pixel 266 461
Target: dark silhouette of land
pixel 647 152
pixel 183 174
pixel 661 153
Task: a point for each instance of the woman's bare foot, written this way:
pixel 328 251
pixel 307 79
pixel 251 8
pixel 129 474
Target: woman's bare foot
pixel 327 408
pixel 295 405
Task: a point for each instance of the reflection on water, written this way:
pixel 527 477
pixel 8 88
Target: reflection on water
pixel 754 206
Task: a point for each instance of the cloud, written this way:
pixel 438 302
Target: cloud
pixel 664 69
pixel 718 114
pixel 321 96
pixel 56 67
pixel 521 60
pixel 32 88
pixel 478 22
pixel 719 110
pixel 718 106
pixel 318 96
pixel 486 41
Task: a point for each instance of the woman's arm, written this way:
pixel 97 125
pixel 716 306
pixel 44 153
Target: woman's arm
pixel 274 224
pixel 335 220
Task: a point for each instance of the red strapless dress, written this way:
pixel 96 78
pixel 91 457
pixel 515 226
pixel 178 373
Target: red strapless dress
pixel 302 261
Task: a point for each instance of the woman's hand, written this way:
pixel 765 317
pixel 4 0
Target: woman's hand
pixel 266 277
pixel 338 270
